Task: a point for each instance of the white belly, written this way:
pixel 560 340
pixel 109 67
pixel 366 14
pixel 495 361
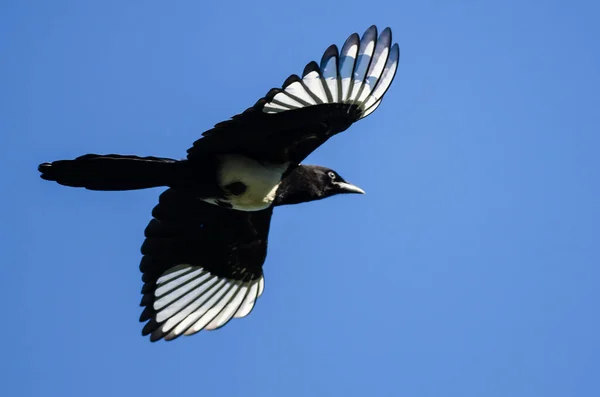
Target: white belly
pixel 261 180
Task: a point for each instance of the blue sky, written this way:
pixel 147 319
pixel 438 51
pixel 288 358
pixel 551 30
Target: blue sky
pixel 470 268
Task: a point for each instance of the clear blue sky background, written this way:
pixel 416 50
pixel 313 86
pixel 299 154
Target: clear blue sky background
pixel 470 268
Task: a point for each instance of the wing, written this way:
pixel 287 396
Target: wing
pixel 291 122
pixel 202 265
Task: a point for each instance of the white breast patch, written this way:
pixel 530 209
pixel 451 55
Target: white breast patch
pixel 261 180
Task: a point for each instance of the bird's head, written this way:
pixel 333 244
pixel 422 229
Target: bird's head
pixel 312 182
pixel 331 183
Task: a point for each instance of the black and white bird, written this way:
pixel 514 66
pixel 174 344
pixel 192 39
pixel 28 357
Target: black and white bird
pixel 207 242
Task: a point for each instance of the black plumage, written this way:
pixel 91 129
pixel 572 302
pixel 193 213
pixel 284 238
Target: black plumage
pixel 207 242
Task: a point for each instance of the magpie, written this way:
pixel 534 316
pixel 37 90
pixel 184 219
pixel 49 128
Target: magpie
pixel 204 249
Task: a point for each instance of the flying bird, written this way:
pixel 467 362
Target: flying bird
pixel 205 247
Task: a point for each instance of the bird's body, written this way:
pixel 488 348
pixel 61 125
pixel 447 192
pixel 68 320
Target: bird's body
pixel 249 185
pixel 204 249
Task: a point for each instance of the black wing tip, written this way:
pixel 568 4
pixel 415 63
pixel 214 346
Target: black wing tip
pixel 148 314
pixel 147 288
pixel 258 105
pixel 151 329
pixel 292 79
pixel 145 264
pixel 332 50
pixel 156 338
pixel 271 94
pixel 310 67
pixel 147 299
pixel 153 227
pixel 371 30
pixel 388 31
pixel 353 37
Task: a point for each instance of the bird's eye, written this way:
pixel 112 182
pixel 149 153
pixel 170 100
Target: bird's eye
pixel 331 175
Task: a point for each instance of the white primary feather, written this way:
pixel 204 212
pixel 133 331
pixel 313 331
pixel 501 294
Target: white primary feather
pixel 189 299
pixel 359 75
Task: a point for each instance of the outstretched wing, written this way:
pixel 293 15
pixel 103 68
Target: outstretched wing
pixel 291 122
pixel 202 265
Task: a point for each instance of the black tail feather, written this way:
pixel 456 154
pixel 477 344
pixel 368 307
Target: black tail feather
pixel 113 172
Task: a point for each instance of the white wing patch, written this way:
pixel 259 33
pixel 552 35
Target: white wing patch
pixel 189 299
pixel 360 74
pixel 261 181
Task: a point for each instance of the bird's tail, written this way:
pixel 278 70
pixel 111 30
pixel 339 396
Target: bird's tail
pixel 113 172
